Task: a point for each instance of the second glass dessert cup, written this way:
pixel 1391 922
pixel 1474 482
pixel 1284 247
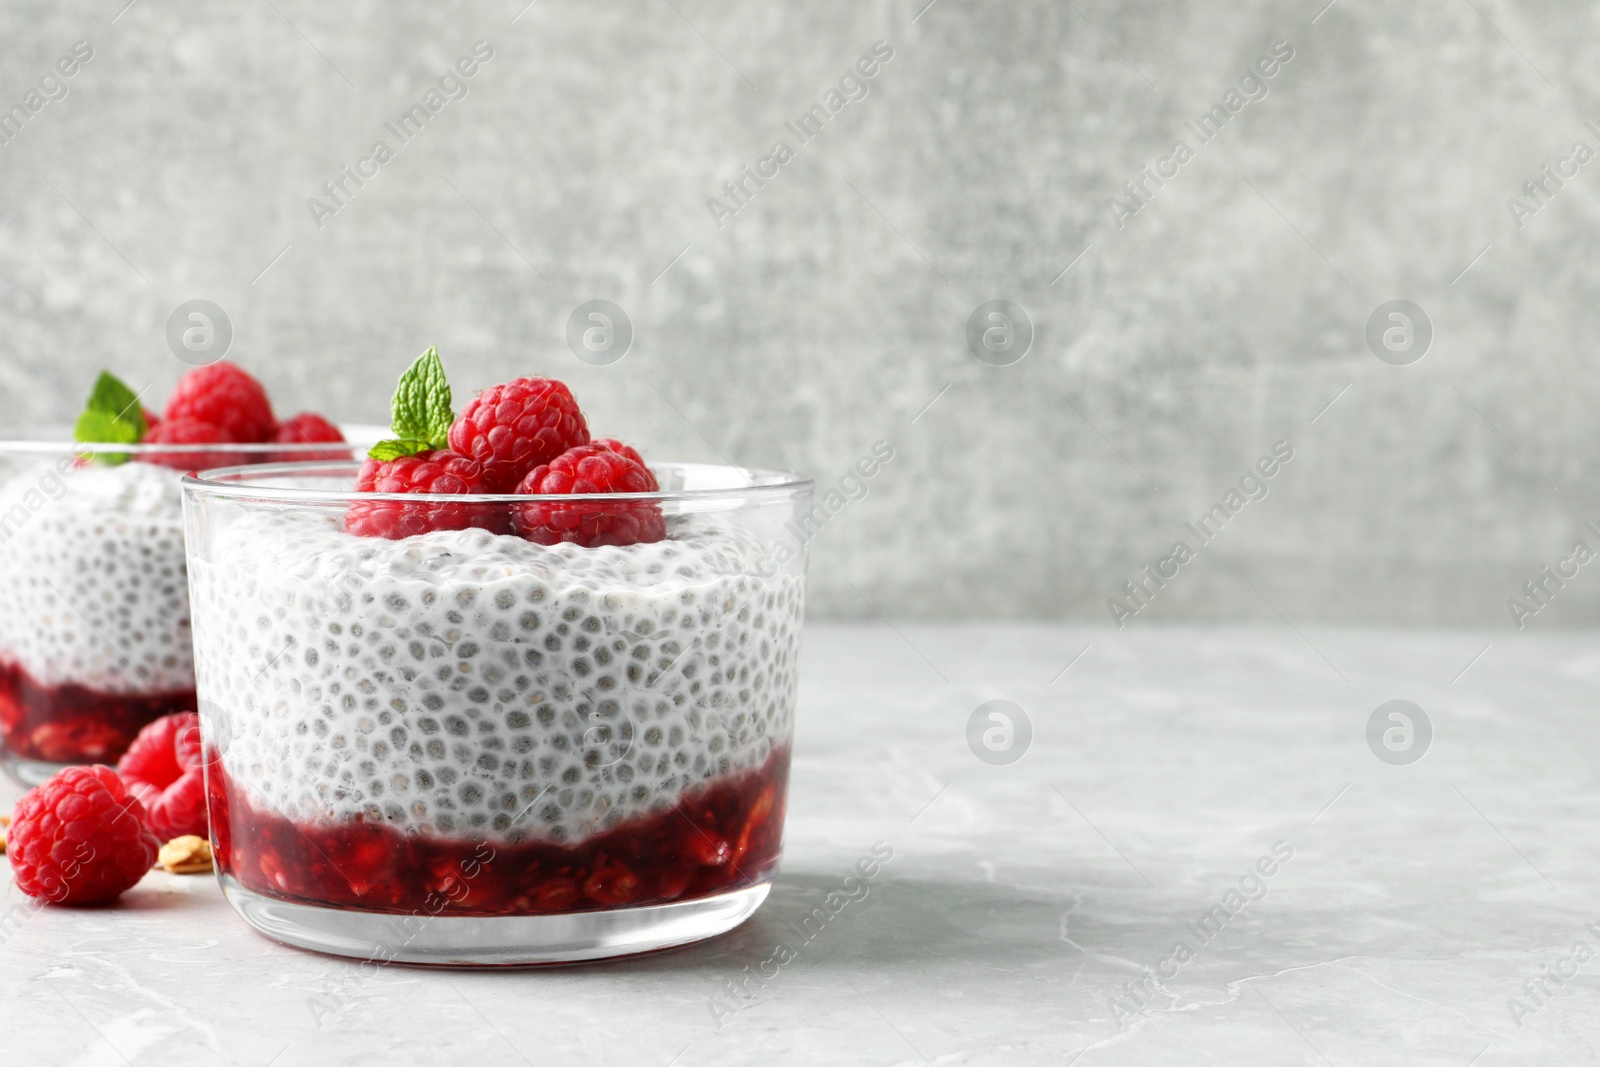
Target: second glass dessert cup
pixel 463 747
pixel 94 604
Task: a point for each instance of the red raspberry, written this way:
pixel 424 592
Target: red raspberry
pixel 624 450
pixel 164 769
pixel 190 432
pixel 592 468
pixel 308 428
pixel 513 428
pixel 438 471
pixel 151 420
pixel 224 395
pixel 80 838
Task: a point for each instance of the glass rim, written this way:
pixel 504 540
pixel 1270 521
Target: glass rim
pixel 234 483
pixel 53 440
pixel 51 448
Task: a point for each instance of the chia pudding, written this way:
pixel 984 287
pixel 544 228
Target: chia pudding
pixel 574 727
pixel 94 614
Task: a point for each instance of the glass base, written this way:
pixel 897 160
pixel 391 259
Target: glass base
pixel 29 772
pixel 510 941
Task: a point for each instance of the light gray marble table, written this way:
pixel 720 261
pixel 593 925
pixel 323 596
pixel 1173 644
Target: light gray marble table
pixel 1025 905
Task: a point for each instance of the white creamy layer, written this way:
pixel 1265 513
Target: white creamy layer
pixel 92 583
pixel 463 683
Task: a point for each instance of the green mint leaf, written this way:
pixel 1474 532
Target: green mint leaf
pixel 111 416
pixel 387 450
pixel 112 396
pixel 97 427
pixel 422 403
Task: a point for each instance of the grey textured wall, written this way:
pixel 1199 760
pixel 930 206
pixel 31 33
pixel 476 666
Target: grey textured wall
pixel 830 310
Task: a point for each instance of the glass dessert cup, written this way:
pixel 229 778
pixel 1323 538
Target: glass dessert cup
pixel 94 605
pixel 461 747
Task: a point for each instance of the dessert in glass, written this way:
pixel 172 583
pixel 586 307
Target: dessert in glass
pixel 460 711
pixel 94 606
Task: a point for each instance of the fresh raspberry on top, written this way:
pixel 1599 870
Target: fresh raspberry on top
pixel 308 428
pixel 164 769
pixel 437 471
pixel 223 395
pixel 80 838
pixel 514 427
pixel 189 432
pixel 592 468
pixel 624 450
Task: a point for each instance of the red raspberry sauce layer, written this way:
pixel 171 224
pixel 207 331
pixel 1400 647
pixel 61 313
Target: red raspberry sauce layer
pixel 722 837
pixel 75 724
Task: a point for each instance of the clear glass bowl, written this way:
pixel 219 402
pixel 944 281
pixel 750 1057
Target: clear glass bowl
pixel 464 747
pixel 94 606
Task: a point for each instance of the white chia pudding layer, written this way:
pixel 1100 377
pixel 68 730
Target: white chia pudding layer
pixel 469 684
pixel 93 591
